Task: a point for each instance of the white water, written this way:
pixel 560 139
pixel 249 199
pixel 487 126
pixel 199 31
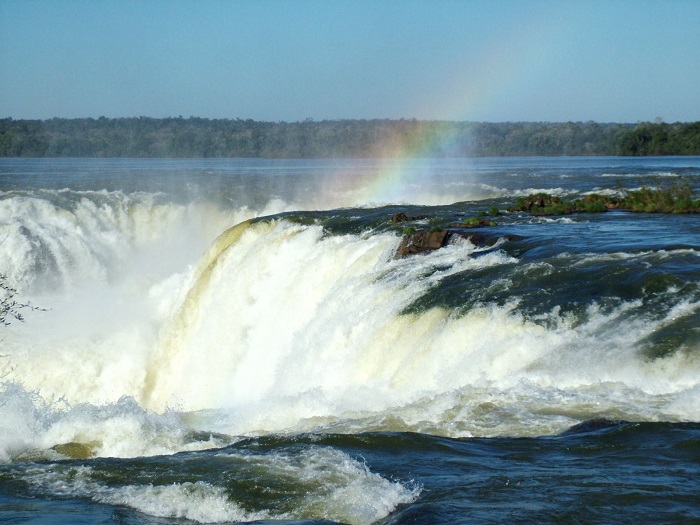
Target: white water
pixel 326 483
pixel 282 328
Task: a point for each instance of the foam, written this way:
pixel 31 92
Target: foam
pixel 311 365
pixel 32 426
pixel 319 483
pixel 559 192
pixel 83 238
pixel 283 296
pixel 199 501
pixel 282 327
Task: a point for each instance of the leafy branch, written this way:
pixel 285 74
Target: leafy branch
pixel 10 308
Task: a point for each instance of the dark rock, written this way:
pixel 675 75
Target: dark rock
pixel 536 201
pixel 476 222
pixel 422 241
pixel 476 239
pixel 401 217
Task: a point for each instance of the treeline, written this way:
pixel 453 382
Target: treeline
pixel 199 137
pixel 661 139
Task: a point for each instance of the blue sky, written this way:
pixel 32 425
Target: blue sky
pixel 519 60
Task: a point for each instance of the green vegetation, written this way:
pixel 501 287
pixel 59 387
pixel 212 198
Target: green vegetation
pixel 594 203
pixel 197 137
pixel 674 198
pixel 493 211
pixel 543 204
pixel 661 139
pixel 476 222
pixel 9 306
pixel 409 231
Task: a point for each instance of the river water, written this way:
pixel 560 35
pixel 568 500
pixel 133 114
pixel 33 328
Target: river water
pixel 235 340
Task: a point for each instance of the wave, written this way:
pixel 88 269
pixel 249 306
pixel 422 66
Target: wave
pixel 314 482
pixel 37 428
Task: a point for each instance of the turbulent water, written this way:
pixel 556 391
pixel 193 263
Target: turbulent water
pixel 235 340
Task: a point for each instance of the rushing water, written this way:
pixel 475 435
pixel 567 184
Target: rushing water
pixel 235 340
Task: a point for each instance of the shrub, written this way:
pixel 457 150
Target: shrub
pixel 475 222
pixel 593 203
pixel 675 198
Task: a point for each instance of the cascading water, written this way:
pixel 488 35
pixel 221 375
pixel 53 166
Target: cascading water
pixel 264 359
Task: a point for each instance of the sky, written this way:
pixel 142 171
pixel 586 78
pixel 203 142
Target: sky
pixel 467 60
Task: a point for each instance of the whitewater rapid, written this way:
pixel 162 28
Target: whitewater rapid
pixel 157 324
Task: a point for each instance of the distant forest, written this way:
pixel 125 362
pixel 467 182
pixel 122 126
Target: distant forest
pixel 200 137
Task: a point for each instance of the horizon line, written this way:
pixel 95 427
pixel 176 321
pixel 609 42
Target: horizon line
pixel 374 119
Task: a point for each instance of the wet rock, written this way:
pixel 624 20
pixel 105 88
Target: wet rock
pixel 401 217
pixel 539 202
pixel 422 241
pixel 477 222
pixel 476 239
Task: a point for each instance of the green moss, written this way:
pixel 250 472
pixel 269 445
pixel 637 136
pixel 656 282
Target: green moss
pixel 540 204
pixel 519 205
pixel 674 198
pixel 594 203
pixel 475 222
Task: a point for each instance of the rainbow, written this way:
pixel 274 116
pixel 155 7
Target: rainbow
pixel 509 67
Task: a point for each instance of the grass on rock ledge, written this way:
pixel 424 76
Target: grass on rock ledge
pixel 676 198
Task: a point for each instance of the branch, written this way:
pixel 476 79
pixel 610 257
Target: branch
pixel 9 307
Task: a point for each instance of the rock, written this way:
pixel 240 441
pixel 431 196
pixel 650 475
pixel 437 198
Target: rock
pixel 422 241
pixel 475 238
pixel 401 217
pixel 536 201
pixel 476 222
